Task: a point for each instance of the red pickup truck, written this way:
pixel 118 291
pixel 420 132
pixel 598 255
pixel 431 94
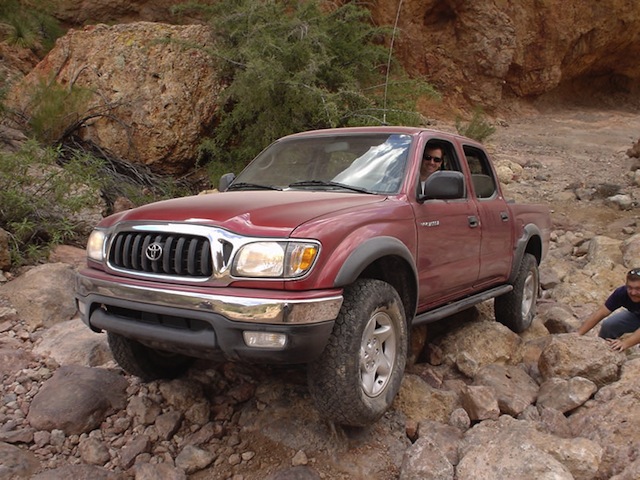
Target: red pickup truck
pixel 326 250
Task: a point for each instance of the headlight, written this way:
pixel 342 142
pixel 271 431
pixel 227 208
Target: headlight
pixel 95 245
pixel 275 259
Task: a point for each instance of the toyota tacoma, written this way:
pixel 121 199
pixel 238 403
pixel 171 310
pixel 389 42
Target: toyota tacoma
pixel 325 250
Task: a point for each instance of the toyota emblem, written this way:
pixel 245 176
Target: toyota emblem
pixel 154 251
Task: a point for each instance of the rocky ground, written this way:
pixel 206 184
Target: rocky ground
pixel 480 402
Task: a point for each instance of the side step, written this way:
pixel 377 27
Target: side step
pixel 455 307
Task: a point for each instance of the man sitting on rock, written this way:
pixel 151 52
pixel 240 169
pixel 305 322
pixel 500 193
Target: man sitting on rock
pixel 624 321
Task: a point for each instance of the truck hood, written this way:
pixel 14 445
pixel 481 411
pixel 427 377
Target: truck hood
pixel 262 213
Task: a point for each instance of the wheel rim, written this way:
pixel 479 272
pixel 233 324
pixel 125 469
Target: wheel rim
pixel 377 354
pixel 529 294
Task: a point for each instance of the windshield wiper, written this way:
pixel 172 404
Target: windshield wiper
pixel 322 183
pixel 251 186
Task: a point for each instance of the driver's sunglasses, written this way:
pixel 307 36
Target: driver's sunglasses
pixel 428 158
pixel 634 273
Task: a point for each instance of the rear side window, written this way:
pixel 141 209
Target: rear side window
pixel 482 178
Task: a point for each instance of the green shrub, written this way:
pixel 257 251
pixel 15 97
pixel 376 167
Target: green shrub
pixel 56 109
pixel 478 128
pixel 32 24
pixel 47 196
pixel 38 202
pixel 4 89
pixel 290 66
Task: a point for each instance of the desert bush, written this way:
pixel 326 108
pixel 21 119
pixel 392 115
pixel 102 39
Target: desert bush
pixel 56 195
pixel 290 66
pixel 4 88
pixel 54 109
pixel 31 24
pixel 477 128
pixel 38 201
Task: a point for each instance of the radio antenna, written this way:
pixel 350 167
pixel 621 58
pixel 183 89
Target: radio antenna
pixel 386 81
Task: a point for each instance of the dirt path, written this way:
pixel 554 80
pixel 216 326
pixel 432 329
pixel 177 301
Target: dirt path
pixel 572 149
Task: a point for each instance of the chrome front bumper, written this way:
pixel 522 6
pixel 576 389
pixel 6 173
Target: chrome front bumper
pixel 295 309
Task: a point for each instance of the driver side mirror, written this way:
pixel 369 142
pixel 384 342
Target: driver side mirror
pixel 225 181
pixel 444 185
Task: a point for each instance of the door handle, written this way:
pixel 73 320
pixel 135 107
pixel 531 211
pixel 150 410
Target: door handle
pixel 504 216
pixel 473 221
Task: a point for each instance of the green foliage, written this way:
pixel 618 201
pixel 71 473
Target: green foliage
pixel 39 201
pixel 135 182
pixel 55 109
pixel 216 167
pixel 478 128
pixel 32 24
pixel 45 195
pixel 290 66
pixel 4 89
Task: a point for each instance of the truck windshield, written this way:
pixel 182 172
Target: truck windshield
pixel 367 163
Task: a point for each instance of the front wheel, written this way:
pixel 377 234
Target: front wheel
pixel 360 371
pixel 517 308
pixel 145 362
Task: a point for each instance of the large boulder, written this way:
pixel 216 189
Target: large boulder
pixel 569 355
pixel 509 448
pixel 514 389
pixel 72 343
pixel 419 401
pixel 153 96
pixel 77 399
pixel 43 296
pixel 476 344
pixel 611 420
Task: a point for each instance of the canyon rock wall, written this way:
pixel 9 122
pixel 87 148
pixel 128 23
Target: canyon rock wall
pixel 486 52
pixel 480 53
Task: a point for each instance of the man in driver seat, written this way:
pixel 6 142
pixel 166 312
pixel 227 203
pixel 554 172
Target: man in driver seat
pixel 431 162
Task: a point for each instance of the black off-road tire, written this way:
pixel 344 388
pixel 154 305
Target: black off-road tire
pixel 360 371
pixel 517 308
pixel 144 362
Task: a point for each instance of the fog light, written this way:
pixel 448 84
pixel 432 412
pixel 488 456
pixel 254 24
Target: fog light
pixel 265 339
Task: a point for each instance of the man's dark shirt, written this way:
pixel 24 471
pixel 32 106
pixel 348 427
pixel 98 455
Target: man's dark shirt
pixel 620 298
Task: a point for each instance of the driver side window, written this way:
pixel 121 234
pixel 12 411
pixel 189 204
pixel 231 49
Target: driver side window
pixel 438 155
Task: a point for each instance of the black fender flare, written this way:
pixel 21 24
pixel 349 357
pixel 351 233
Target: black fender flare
pixel 369 252
pixel 529 232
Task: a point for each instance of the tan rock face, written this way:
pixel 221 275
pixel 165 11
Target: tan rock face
pixel 485 51
pixel 159 96
pixel 16 61
pixel 85 12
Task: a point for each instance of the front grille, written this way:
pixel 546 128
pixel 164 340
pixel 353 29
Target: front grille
pixel 162 253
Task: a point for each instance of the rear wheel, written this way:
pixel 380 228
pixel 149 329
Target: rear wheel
pixel 517 308
pixel 145 362
pixel 360 371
